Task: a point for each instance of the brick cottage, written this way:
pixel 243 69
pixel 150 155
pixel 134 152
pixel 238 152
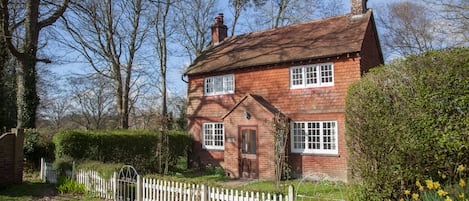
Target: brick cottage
pixel 238 84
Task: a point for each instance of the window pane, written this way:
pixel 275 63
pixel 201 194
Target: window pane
pixel 314 136
pixel 328 142
pixel 208 85
pixel 252 144
pixel 326 73
pixel 311 75
pixel 297 76
pixel 244 142
pixel 208 134
pixel 228 84
pixel 218 85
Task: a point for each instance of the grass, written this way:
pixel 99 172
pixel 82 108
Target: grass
pixel 324 189
pixel 32 189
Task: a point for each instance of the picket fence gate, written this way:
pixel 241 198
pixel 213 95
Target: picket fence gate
pixel 148 189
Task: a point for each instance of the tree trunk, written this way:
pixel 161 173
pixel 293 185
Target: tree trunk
pixel 26 97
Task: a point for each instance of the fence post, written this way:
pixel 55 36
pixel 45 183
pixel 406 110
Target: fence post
pixel 203 193
pixel 139 188
pixel 42 174
pixel 291 196
pixel 114 186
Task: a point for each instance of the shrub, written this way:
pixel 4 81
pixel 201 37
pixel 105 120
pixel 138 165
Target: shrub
pixel 67 185
pixel 406 121
pixel 137 148
pixel 37 145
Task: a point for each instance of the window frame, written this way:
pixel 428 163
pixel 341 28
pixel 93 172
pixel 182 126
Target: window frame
pixel 303 77
pixel 213 82
pixel 305 133
pixel 213 134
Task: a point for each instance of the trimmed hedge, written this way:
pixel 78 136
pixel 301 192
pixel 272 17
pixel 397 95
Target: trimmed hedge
pixel 407 121
pixel 137 148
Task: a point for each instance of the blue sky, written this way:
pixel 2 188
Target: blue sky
pixel 176 64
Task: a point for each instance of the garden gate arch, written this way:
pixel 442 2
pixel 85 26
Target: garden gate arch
pixel 126 184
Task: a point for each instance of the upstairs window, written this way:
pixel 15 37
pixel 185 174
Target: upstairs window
pixel 314 137
pixel 219 85
pixel 213 136
pixel 315 75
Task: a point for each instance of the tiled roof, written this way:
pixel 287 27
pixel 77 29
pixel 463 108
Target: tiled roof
pixel 316 39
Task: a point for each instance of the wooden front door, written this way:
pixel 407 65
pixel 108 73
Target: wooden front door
pixel 248 163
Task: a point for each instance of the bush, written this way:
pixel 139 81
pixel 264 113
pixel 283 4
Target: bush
pixel 137 148
pixel 37 146
pixel 406 121
pixel 67 185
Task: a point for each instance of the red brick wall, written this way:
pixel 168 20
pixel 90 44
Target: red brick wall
pixel 273 84
pixel 261 119
pixel 11 157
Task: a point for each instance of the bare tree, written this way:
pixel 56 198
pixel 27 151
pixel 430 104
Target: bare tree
pixel 108 34
pixel 25 20
pixel 93 96
pixel 161 47
pixel 194 33
pixel 410 28
pixel 267 14
pixel 455 17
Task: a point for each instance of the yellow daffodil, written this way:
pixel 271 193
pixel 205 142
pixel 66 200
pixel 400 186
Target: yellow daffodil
pixel 442 193
pixel 461 196
pixel 417 183
pixel 436 185
pixel 406 192
pixel 462 183
pixel 421 188
pixel 415 196
pixel 402 199
pixel 461 168
pixel 429 184
pixel 448 198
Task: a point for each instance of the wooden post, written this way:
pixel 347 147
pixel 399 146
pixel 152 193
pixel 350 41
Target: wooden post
pixel 291 196
pixel 43 171
pixel 139 188
pixel 114 187
pixel 203 193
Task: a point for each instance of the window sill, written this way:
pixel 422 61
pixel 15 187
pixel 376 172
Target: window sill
pixel 317 154
pixel 214 150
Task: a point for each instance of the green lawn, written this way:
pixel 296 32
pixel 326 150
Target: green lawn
pixel 32 189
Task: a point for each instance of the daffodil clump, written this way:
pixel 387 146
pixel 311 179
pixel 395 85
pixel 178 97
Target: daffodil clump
pixel 449 190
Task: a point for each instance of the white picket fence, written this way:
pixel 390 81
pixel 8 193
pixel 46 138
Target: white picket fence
pixel 148 189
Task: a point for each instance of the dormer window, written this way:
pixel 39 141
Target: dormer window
pixel 313 75
pixel 217 85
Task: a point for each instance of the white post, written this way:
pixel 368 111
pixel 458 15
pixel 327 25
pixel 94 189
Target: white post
pixel 203 193
pixel 290 193
pixel 114 187
pixel 139 188
pixel 42 170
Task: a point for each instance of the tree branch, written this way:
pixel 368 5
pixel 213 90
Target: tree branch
pixel 7 36
pixel 54 17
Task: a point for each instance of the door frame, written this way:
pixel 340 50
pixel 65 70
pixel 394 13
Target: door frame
pixel 242 157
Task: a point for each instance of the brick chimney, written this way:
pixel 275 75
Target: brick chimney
pixel 358 6
pixel 219 30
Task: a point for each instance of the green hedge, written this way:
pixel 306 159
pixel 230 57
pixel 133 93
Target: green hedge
pixel 137 148
pixel 407 121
